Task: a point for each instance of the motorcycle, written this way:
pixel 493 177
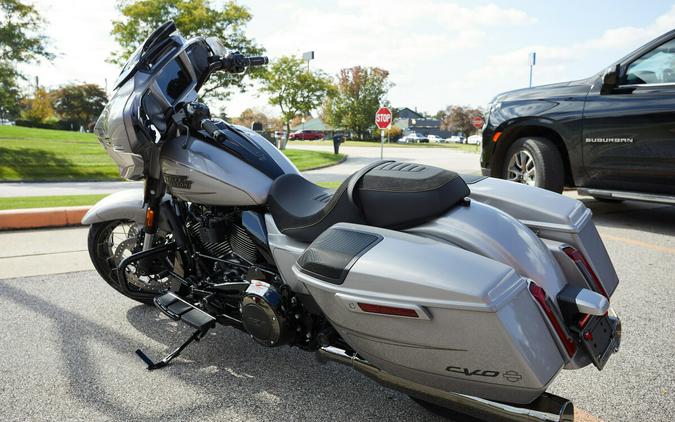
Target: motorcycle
pixel 467 293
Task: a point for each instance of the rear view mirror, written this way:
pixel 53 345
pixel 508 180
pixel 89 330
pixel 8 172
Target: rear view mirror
pixel 610 80
pixel 217 47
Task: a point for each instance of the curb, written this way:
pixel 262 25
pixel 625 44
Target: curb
pixel 327 165
pixel 34 218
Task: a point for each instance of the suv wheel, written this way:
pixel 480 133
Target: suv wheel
pixel 535 162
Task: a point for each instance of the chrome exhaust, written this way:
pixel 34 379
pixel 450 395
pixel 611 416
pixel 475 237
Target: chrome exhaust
pixel 547 407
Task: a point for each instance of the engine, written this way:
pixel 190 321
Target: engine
pixel 220 235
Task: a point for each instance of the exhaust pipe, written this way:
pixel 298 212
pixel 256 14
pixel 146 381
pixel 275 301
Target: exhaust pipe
pixel 547 407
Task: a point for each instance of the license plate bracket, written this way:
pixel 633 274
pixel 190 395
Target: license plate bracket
pixel 601 338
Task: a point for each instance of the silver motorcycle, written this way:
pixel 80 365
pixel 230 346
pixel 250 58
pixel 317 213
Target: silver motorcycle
pixel 466 293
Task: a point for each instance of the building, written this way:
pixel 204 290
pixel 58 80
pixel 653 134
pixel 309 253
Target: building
pixel 313 124
pixel 411 121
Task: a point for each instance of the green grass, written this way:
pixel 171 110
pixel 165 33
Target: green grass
pixel 463 147
pixel 305 160
pixel 28 154
pixel 329 185
pixel 44 154
pixel 48 201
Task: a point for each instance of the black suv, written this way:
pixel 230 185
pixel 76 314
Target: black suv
pixel 612 135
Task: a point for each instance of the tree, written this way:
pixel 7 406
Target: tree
pixel 9 92
pixel 20 26
pixel 250 116
pixel 39 108
pixel 358 94
pixel 294 89
pixel 81 103
pixel 192 18
pixel 458 119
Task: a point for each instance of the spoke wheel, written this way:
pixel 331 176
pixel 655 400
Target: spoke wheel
pixel 111 242
pixel 522 169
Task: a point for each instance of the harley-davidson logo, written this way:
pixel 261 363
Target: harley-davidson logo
pixel 512 376
pixel 179 182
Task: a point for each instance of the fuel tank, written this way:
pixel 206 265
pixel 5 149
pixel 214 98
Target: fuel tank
pixel 236 170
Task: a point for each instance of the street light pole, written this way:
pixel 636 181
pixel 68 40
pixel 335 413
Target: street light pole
pixel 533 61
pixel 307 56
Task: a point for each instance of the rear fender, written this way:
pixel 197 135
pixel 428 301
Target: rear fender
pixel 122 205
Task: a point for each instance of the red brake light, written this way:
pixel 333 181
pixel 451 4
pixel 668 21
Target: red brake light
pixel 540 296
pixel 388 310
pixel 585 268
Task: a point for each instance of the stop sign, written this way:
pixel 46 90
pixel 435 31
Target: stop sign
pixel 477 122
pixel 383 118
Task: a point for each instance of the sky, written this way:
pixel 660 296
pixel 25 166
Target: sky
pixel 438 52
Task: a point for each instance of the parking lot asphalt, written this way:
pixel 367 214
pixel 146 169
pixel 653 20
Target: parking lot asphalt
pixel 68 339
pixel 67 344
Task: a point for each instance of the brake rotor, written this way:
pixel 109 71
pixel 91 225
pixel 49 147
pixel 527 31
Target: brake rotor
pixel 127 248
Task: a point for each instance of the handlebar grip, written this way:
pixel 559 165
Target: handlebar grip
pixel 258 60
pixel 209 127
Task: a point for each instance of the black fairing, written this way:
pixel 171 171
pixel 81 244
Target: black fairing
pixel 238 144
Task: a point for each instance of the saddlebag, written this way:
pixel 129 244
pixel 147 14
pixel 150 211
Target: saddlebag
pixel 431 312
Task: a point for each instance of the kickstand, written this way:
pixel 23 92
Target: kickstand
pixel 162 363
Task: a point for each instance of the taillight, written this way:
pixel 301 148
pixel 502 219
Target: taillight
pixel 585 269
pixel 539 295
pixel 388 310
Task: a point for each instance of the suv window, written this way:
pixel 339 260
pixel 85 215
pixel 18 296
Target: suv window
pixel 654 67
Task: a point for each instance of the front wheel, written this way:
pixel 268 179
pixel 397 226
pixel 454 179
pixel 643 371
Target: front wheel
pixel 109 243
pixel 535 162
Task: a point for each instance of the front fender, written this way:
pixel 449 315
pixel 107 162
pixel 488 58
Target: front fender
pixel 123 205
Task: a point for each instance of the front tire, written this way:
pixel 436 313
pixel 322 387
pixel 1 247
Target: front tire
pixel 108 243
pixel 535 162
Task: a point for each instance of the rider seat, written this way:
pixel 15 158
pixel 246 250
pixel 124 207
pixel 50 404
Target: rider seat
pixel 386 194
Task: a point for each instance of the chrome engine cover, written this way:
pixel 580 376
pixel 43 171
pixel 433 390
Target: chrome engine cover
pixel 262 314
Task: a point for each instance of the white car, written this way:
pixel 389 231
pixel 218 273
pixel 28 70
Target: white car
pixel 474 140
pixel 412 138
pixel 435 139
pixel 455 139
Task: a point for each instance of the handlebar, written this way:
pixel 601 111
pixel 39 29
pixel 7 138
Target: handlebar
pixel 210 127
pixel 237 62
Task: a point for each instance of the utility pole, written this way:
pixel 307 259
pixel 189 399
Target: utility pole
pixel 533 61
pixel 306 56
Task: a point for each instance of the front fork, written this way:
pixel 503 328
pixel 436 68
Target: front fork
pixel 153 194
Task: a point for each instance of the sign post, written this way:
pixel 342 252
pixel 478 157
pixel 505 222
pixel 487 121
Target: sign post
pixel 383 119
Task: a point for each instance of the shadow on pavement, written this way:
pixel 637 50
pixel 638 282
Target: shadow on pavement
pixel 228 371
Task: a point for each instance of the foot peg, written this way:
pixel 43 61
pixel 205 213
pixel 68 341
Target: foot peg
pixel 178 309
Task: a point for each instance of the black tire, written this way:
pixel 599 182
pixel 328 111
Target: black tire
pixel 549 170
pixel 99 252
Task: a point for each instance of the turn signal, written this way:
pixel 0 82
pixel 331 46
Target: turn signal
pixel 388 310
pixel 539 295
pixel 496 136
pixel 149 218
pixel 585 269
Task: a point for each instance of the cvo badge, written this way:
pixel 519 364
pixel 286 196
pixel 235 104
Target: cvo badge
pixel 472 372
pixel 179 182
